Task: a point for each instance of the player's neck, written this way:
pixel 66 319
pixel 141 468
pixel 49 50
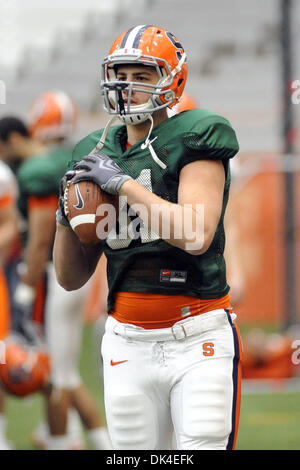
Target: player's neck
pixel 140 131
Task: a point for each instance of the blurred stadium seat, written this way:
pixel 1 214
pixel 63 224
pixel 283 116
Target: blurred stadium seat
pixel 232 51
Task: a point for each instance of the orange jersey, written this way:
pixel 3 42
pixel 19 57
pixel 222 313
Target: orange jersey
pixel 8 190
pixel 152 311
pixel 8 186
pixel 8 195
pixel 4 307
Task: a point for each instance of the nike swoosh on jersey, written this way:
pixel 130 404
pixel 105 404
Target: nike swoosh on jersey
pixel 113 363
pixel 80 201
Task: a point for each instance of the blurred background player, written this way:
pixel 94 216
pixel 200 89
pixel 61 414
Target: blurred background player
pixel 8 233
pixel 44 157
pixel 186 103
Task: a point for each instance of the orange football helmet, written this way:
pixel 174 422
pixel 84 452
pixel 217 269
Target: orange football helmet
pixel 52 115
pixel 186 103
pixel 151 46
pixel 26 369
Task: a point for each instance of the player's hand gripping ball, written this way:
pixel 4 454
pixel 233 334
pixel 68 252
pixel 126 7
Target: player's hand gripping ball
pixel 91 212
pixel 102 170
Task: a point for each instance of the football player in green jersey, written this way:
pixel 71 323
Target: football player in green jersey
pixel 43 156
pixel 171 350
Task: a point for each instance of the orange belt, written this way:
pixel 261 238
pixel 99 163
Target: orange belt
pixel 7 201
pixel 46 202
pixel 152 311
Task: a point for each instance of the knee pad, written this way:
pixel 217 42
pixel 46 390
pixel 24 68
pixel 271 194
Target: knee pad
pixel 131 422
pixel 207 407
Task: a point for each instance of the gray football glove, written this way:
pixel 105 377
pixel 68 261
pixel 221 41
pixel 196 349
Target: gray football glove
pixel 60 213
pixel 102 170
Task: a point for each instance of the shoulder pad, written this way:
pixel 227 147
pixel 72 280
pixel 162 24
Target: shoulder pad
pixel 210 136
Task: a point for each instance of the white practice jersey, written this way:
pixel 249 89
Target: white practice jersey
pixel 8 183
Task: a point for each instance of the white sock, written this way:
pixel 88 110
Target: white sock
pixel 74 423
pixel 58 442
pixel 2 426
pixel 4 444
pixel 99 439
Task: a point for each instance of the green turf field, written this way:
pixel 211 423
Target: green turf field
pixel 268 421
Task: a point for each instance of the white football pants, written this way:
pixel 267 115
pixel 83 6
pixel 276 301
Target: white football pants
pixel 184 379
pixel 63 325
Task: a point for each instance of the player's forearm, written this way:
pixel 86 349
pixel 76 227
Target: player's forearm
pixel 36 259
pixel 74 263
pixel 41 226
pixel 181 226
pixel 8 232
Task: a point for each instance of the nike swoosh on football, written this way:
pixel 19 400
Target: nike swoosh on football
pixel 113 363
pixel 80 201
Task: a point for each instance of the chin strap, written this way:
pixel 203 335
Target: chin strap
pixel 148 144
pixel 101 142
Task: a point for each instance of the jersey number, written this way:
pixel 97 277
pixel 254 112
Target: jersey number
pixel 131 226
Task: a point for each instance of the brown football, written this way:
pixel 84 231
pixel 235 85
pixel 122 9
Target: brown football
pixel 92 213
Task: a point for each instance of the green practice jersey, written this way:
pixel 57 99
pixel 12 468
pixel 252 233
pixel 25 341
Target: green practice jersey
pixel 141 261
pixel 40 175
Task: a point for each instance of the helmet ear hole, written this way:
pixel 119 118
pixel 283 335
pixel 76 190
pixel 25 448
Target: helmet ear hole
pixel 180 82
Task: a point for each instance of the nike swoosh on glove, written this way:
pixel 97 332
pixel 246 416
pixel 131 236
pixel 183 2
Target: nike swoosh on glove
pixel 61 216
pixel 102 170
